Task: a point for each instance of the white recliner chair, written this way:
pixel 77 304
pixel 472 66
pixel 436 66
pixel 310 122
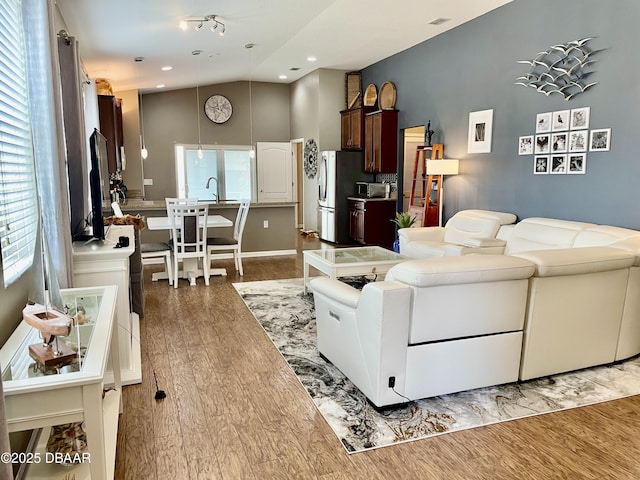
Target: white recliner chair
pixel 435 326
pixel 468 231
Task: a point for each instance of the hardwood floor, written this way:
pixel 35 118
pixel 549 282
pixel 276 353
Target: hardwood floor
pixel 234 410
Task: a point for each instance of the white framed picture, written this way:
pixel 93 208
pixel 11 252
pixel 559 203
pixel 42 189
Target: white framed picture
pixel 578 140
pixel 558 164
pixel 525 145
pixel 560 120
pixel 580 118
pixel 577 163
pixel 542 144
pixel 480 129
pixel 600 140
pixel 559 142
pixel 543 122
pixel 541 165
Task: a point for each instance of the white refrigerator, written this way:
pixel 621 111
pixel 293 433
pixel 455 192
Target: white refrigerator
pixel 338 172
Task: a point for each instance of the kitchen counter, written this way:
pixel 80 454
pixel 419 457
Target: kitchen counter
pixel 360 199
pixel 136 205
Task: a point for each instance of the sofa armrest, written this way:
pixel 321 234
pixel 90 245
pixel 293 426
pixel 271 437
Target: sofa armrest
pixel 431 234
pixel 465 269
pixel 338 291
pixel 484 242
pixel 577 261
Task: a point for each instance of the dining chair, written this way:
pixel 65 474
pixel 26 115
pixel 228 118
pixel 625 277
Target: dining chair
pixel 221 244
pixel 189 238
pixel 155 253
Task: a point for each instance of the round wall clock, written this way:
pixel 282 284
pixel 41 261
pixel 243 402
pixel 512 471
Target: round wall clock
pixel 310 158
pixel 218 108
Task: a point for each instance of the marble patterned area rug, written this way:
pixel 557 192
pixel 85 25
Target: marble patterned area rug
pixel 287 316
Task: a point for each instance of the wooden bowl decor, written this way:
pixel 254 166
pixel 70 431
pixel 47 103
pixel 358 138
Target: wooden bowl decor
pixel 370 95
pixel 387 97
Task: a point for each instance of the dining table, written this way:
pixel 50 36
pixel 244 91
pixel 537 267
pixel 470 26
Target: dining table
pixel 190 268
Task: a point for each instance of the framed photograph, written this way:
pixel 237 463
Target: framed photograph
pixel 558 164
pixel 480 128
pixel 542 144
pixel 600 140
pixel 541 165
pixel 580 118
pixel 560 120
pixel 578 140
pixel 525 145
pixel 559 142
pixel 577 163
pixel 543 122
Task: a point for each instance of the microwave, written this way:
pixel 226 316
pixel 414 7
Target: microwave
pixel 373 190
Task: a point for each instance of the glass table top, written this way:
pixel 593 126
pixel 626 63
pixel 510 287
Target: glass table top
pixel 83 309
pixel 356 255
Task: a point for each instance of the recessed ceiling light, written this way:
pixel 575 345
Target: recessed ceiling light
pixel 166 68
pixel 282 77
pixel 438 21
pixel 160 86
pixel 311 59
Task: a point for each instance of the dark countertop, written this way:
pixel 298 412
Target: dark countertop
pixel 360 199
pixel 135 205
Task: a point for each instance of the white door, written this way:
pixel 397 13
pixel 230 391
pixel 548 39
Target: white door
pixel 275 172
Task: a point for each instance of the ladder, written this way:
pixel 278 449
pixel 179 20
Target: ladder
pixel 424 207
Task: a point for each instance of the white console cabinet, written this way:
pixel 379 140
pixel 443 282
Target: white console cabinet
pixel 37 397
pixel 99 263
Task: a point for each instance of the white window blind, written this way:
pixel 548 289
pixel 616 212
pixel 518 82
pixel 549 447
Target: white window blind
pixel 18 202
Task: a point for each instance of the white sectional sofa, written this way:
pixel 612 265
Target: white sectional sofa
pixel 432 324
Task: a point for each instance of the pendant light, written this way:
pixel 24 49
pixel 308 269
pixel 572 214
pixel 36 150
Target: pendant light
pixel 199 153
pixel 252 152
pixel 144 153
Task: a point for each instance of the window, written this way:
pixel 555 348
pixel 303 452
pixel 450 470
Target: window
pixel 18 201
pixel 224 172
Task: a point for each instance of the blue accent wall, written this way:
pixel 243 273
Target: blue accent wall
pixel 473 67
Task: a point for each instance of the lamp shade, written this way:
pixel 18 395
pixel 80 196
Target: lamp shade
pixel 442 167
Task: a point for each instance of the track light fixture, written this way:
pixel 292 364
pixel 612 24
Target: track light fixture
pixel 215 25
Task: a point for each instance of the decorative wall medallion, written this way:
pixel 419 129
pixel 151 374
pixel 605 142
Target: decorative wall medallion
pixel 562 68
pixel 310 158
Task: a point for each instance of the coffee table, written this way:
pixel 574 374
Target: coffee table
pixel 344 262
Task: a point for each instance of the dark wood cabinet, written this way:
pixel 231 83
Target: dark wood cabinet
pixel 381 141
pixel 370 222
pixel 110 116
pixel 352 128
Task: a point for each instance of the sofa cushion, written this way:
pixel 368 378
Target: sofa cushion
pixel 543 233
pixel 429 272
pixel 602 235
pixel 475 223
pixel 577 261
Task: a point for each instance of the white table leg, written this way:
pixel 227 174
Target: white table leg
pixel 306 277
pixel 94 427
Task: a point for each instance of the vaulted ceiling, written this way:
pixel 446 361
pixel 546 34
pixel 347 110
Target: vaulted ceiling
pixel 340 34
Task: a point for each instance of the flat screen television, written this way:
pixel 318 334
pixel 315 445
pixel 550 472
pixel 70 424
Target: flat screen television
pixel 98 182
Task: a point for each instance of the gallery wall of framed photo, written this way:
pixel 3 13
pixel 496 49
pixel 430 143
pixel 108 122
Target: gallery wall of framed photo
pixel 562 140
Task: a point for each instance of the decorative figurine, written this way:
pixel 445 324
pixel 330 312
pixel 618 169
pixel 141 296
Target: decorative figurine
pixel 429 133
pixel 50 323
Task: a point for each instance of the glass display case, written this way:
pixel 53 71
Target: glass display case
pixel 70 391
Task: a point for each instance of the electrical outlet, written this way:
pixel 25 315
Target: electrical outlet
pixel 265 224
pixel 392 382
pixel 148 181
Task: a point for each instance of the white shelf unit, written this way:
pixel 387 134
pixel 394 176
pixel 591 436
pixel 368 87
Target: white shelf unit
pixel 99 263
pixel 35 401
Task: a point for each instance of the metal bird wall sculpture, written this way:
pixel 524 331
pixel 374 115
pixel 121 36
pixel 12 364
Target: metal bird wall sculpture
pixel 560 69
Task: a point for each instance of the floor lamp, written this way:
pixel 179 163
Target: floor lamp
pixel 441 168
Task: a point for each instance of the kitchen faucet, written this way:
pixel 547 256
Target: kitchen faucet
pixel 217 194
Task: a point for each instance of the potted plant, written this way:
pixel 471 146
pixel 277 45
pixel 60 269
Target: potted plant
pixel 402 220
